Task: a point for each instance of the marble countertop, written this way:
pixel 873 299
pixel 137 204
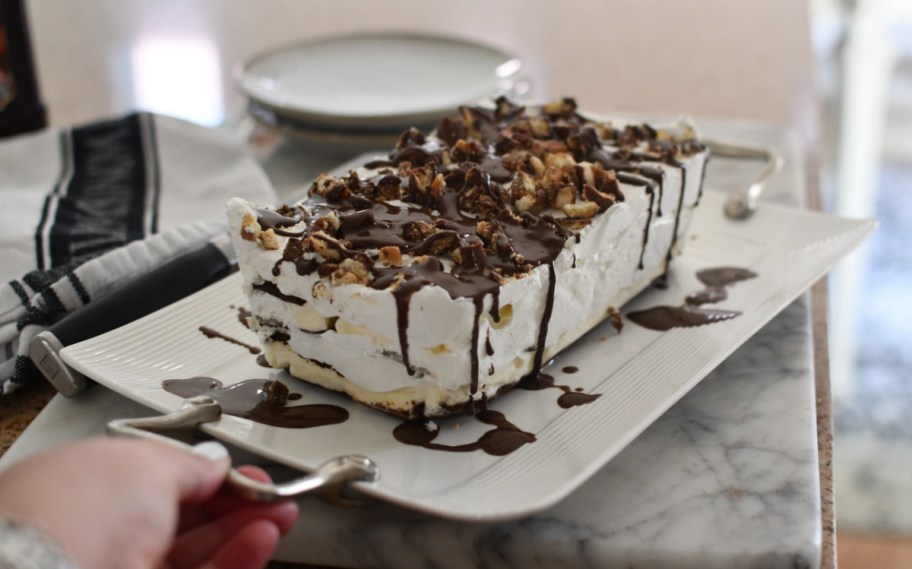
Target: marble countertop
pixel 728 477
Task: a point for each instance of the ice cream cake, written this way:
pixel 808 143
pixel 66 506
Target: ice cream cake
pixel 433 279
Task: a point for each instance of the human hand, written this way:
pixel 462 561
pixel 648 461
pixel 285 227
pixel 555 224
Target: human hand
pixel 125 504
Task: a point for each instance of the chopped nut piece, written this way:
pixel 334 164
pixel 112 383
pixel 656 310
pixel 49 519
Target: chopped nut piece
pixel 414 231
pixel 355 267
pixel 553 177
pixel 439 242
pixel 391 255
pixel 329 223
pixel 269 240
pixel 295 248
pixel 616 321
pixel 588 173
pixel 250 229
pixel 564 196
pixel 555 146
pixel 564 108
pixel 581 210
pixel 326 246
pixel 457 257
pixel 471 255
pixel 452 129
pixel 517 161
pixel 468 151
pixel 330 188
pixel 437 186
pixel 540 127
pixel 485 230
pixel 603 199
pixel 561 160
pixel 412 136
pixel 340 277
pixel 352 271
pixel 275 393
pixel 421 178
pixel 537 165
pixel 523 185
pixel 529 203
pixel 387 188
pixel 327 269
pixel 606 181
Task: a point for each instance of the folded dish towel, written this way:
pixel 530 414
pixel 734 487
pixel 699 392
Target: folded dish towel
pixel 87 208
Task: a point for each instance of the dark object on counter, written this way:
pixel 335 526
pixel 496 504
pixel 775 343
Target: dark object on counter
pixel 21 109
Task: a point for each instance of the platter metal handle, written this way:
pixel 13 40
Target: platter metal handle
pixel 742 203
pixel 329 479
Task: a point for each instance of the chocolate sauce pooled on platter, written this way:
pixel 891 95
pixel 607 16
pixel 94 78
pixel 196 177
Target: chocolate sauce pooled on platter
pixel 570 397
pixel 260 400
pixel 502 440
pixel 662 318
pixel 716 280
pixel 453 206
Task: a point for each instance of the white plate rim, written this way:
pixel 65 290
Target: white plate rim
pixel 362 121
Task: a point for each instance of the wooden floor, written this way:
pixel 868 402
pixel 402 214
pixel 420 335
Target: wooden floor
pixel 859 551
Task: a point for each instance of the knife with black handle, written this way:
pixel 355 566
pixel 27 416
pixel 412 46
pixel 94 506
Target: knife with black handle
pixel 143 295
pixel 138 297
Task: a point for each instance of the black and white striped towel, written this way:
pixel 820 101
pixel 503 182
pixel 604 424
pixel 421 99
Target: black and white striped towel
pixel 84 209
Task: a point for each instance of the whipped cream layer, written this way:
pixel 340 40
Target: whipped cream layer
pixel 440 277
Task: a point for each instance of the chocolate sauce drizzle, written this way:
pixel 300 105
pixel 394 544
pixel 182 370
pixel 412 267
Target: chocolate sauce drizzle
pixel 259 400
pixel 691 313
pixel 650 190
pixel 446 203
pixel 543 326
pixel 243 313
pixel 210 333
pixel 502 440
pixel 273 289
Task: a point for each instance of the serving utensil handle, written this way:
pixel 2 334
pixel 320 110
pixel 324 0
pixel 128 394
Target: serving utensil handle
pixel 329 479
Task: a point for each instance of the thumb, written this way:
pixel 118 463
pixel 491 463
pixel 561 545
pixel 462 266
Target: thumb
pixel 200 473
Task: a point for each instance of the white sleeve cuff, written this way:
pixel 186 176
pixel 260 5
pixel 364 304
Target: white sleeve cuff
pixel 25 547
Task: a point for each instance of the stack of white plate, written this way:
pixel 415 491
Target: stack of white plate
pixel 354 93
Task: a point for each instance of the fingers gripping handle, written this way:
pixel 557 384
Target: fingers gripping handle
pixel 329 479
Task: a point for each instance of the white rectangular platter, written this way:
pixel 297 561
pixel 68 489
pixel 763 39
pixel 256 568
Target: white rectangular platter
pixel 639 373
